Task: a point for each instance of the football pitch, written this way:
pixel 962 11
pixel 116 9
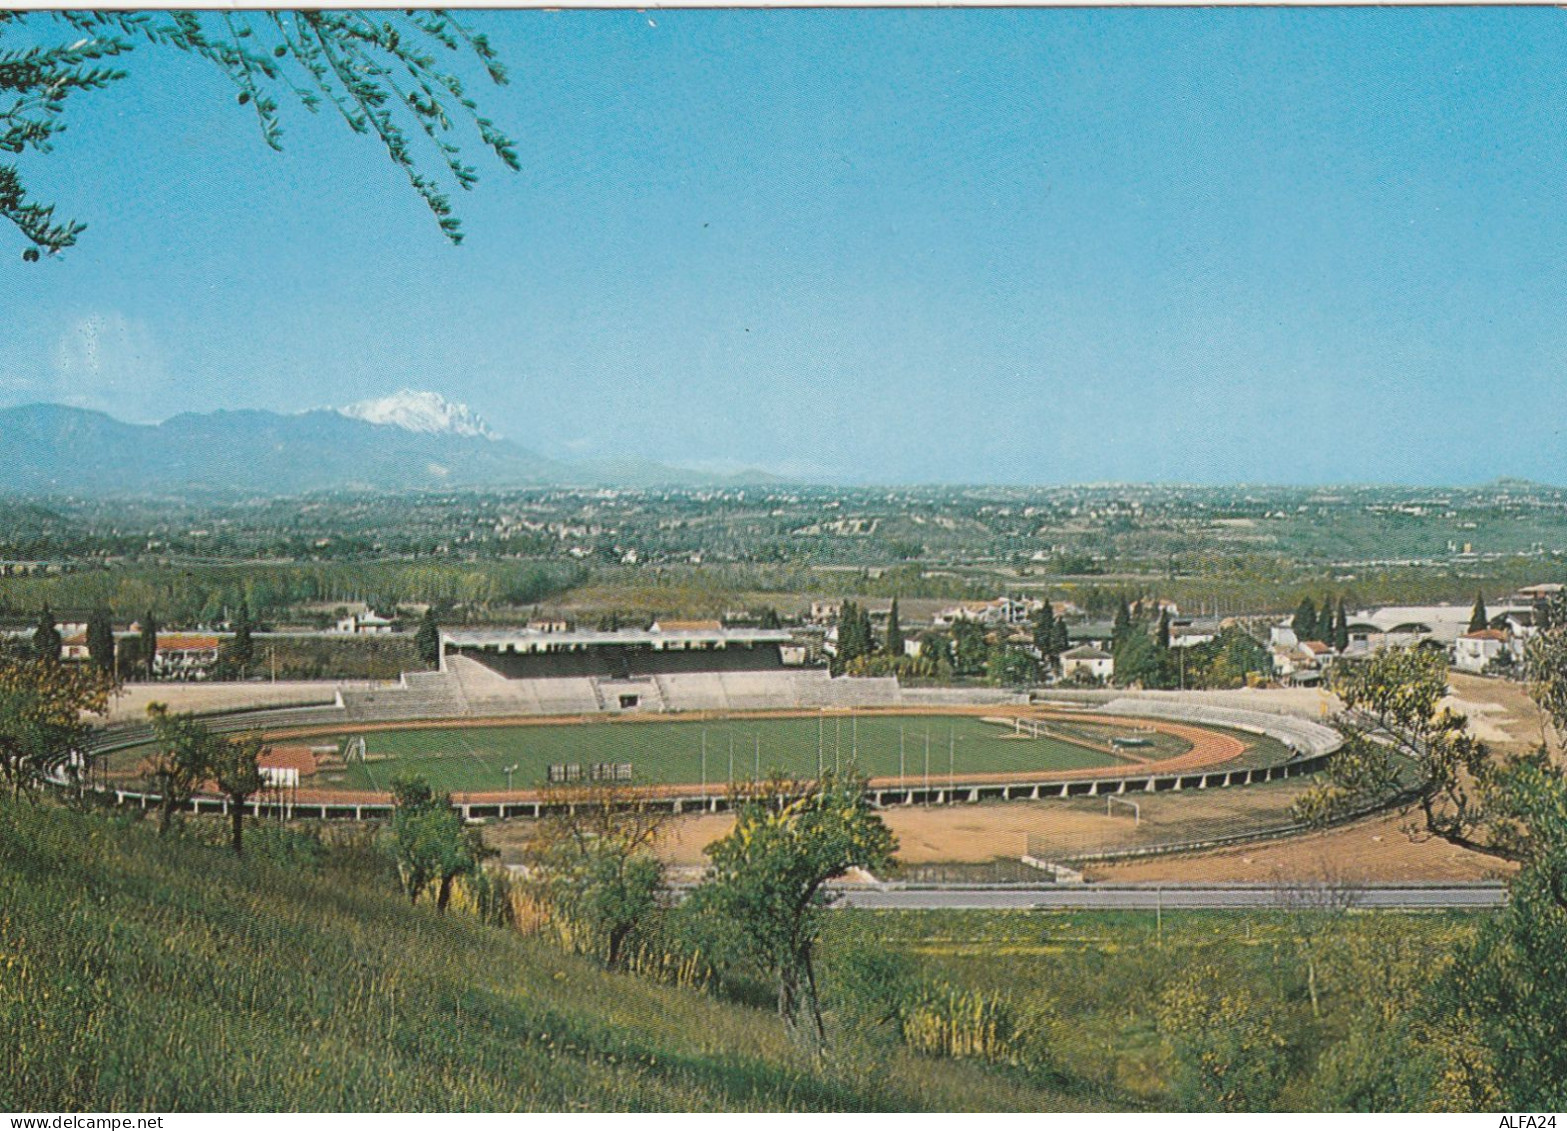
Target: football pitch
pixel 462 759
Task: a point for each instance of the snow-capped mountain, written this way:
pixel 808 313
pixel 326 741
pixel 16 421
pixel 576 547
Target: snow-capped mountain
pixel 420 412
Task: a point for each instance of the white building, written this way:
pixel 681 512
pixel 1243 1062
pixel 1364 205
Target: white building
pixel 365 624
pixel 1003 610
pixel 1087 660
pixel 1474 651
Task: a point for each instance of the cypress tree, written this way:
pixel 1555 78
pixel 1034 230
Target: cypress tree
pixel 854 633
pixel 428 639
pixel 1305 621
pixel 1325 622
pixel 149 642
pixel 127 658
pixel 46 637
pixel 1123 622
pixel 1164 630
pixel 1045 632
pixel 244 648
pixel 100 640
pixel 1478 619
pixel 1341 628
pixel 894 631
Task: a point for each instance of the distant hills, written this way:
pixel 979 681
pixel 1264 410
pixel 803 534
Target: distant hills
pixel 410 441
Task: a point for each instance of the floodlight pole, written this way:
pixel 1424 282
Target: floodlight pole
pixel 900 755
pixel 704 763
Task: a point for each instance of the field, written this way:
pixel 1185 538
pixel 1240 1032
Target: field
pixel 475 758
pixel 991 831
pixel 1095 990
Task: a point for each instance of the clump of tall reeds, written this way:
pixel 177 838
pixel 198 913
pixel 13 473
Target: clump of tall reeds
pixel 944 1020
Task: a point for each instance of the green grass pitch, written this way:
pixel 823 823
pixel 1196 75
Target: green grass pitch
pixel 475 758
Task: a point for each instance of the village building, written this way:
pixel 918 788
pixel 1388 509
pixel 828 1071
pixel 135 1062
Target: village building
pixel 1476 651
pixel 366 624
pixel 1087 660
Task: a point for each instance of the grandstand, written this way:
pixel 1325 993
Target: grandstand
pixel 497 673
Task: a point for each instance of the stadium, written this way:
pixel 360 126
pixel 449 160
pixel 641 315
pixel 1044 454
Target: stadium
pixel 687 716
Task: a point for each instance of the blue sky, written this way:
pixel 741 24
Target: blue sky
pixel 1035 246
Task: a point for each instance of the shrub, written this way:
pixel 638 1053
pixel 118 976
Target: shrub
pixel 1227 1049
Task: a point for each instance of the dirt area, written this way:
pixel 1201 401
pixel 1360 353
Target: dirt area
pixel 131 704
pixel 1499 711
pixel 1378 849
pixel 972 834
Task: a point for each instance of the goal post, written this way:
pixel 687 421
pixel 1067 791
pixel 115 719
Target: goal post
pixel 1111 801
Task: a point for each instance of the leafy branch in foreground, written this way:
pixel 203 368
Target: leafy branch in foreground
pixel 385 74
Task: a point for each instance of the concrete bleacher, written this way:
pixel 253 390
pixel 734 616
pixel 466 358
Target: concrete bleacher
pixel 471 689
pixel 1299 734
pixel 419 695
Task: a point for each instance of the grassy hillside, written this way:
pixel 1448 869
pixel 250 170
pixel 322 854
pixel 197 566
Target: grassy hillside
pixel 139 974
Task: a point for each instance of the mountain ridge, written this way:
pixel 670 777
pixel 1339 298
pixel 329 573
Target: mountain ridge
pixel 54 448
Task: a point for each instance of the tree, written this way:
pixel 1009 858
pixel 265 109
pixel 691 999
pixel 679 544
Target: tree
pixel 894 642
pixel 1398 736
pixel 428 638
pixel 1305 620
pixel 935 652
pixel 592 864
pixel 1341 628
pixel 1044 632
pixel 42 705
pixel 127 659
pixel 182 759
pixel 1324 631
pixel 100 640
pixel 1009 666
pixel 1137 659
pixel 149 644
pixel 1162 639
pixel 46 637
pixel 1504 1001
pixel 1123 621
pixel 242 649
pixel 236 767
pixel 1478 620
pixel 432 847
pixel 969 652
pixel 380 71
pixel 1315 905
pixel 766 881
pixel 854 634
pixel 1229 1052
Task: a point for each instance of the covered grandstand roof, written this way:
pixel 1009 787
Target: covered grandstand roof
pixel 500 638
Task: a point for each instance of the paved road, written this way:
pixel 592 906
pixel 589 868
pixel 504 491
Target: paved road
pixel 1143 897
